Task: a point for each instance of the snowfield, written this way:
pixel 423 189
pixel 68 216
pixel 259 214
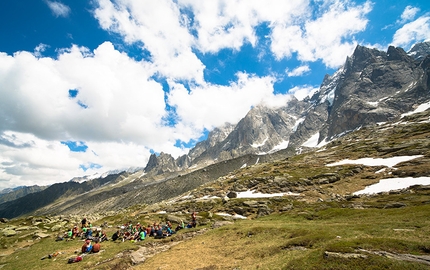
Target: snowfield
pixel 390 183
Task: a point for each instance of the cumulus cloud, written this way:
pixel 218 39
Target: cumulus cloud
pixel 302 92
pixel 299 71
pixel 408 14
pixel 323 37
pixel 58 9
pixel 158 26
pixel 25 166
pixel 172 30
pixel 218 104
pixel 410 33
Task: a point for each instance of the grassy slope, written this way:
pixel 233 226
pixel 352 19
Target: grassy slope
pixel 298 239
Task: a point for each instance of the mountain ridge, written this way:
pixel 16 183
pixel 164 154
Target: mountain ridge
pixel 373 86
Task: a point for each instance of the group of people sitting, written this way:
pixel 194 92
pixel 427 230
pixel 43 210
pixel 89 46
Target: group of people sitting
pixel 156 230
pixel 86 232
pixel 139 232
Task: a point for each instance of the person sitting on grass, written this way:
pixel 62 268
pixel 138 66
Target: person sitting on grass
pixel 84 232
pixel 103 237
pixel 75 232
pixel 69 235
pixel 96 247
pixel 142 235
pixel 180 226
pixel 116 235
pixel 86 247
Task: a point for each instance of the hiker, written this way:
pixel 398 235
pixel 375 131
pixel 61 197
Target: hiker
pixel 83 223
pixel 75 232
pixel 96 247
pixel 194 219
pixel 116 235
pixel 84 232
pixel 89 233
pixel 69 234
pixel 142 235
pixel 159 233
pixel 86 247
pixel 148 230
pixel 180 226
pixel 103 237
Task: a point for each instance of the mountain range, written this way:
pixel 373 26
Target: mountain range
pixel 371 88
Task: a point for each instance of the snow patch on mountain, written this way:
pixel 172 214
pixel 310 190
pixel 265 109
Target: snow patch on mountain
pixel 312 141
pixel 282 145
pixel 420 108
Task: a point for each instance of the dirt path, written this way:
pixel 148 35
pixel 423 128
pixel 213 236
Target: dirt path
pixel 153 248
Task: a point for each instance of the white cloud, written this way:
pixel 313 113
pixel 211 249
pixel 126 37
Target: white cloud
pixel 40 49
pixel 413 32
pixel 299 71
pixel 408 14
pixel 325 37
pixel 209 105
pixel 171 34
pixel 125 110
pixel 58 9
pixel 28 160
pixel 301 92
pixel 156 24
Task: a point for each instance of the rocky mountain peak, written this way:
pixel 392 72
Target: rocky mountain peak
pixel 420 50
pixel 160 164
pixel 397 53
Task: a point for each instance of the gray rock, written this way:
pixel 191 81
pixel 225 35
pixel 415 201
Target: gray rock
pixel 328 254
pixel 232 194
pixel 56 227
pixel 8 232
pixel 173 218
pixel 40 235
pixel 394 205
pixel 218 224
pixel 4 220
pixel 250 203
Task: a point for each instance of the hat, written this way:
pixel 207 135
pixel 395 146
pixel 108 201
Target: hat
pixel 88 241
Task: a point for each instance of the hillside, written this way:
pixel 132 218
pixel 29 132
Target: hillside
pixel 318 224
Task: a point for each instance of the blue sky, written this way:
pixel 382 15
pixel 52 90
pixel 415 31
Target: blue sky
pixel 91 86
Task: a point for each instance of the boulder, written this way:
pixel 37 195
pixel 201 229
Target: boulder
pixel 4 220
pixel 232 195
pixel 56 227
pixel 395 205
pixel 23 228
pixel 8 232
pixel 218 224
pixel 250 203
pixel 40 235
pixel 173 218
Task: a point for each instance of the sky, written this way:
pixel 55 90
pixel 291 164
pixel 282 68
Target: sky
pixel 89 86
